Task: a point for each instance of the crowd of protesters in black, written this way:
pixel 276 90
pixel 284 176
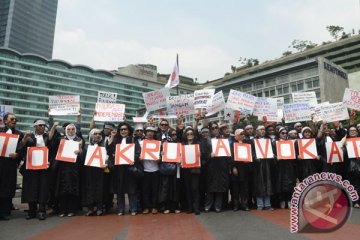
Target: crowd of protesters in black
pixel 154 186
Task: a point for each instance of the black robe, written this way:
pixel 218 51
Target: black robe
pixel 91 184
pixel 122 181
pixel 35 186
pixel 262 177
pixel 8 170
pixel 217 174
pixel 68 176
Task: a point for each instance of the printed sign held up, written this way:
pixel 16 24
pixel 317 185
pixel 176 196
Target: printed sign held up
pixel 240 101
pixel 351 99
pixel 109 112
pixel 334 112
pixel 297 112
pixel 155 100
pixel 64 105
pixel 180 105
pixel 203 98
pixel 106 97
pixel 218 104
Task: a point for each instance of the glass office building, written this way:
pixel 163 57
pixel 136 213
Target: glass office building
pixel 28 26
pixel 27 80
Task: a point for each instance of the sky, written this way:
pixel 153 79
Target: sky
pixel 209 36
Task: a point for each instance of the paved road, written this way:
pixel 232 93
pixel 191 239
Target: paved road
pixel 226 225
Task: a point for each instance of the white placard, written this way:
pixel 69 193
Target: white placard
pixel 109 112
pixel 218 104
pixel 95 156
pixel 190 156
pixel 155 100
pixel 106 97
pixel 297 112
pixel 8 144
pixel 305 97
pixel 266 107
pixel 334 152
pixel 353 147
pixel 66 151
pixel 351 99
pixel 220 147
pixel 263 148
pixel 64 105
pixel 125 154
pixel 334 112
pixel 180 105
pixel 203 98
pixel 241 101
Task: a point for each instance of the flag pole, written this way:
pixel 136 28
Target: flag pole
pixel 177 86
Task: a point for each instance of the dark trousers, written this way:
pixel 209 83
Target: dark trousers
pixel 33 208
pixel 5 206
pixel 68 203
pixel 192 191
pixel 240 193
pixel 215 199
pixel 150 189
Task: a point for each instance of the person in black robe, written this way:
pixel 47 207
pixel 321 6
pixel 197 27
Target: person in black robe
pixel 240 175
pixel 92 182
pixel 286 175
pixel 35 189
pixel 123 182
pixel 262 184
pixel 8 168
pixel 68 175
pixel 217 176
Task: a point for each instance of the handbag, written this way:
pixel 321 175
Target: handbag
pixel 167 168
pixel 136 170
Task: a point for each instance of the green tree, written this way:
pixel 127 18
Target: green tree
pixel 334 31
pixel 301 45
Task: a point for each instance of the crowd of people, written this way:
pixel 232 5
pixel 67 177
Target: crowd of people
pixel 64 188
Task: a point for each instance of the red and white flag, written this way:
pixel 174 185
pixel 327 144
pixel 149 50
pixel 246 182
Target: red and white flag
pixel 174 76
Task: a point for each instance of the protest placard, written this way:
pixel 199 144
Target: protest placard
pixel 180 105
pixel 353 147
pixel 280 111
pixel 203 98
pixel 64 105
pixel 334 112
pixel 125 154
pixel 172 152
pixel 150 150
pixel 316 115
pixel 106 97
pixel 8 144
pixel 3 110
pixel 229 114
pixel 109 112
pixel 155 100
pixel 220 147
pixel 334 152
pixel 266 107
pixel 242 152
pixel 95 156
pixel 307 148
pixel 297 112
pixel 37 158
pixel 190 156
pixel 66 151
pixel 285 150
pixel 241 101
pixel 305 97
pixel 263 148
pixel 218 104
pixel 351 99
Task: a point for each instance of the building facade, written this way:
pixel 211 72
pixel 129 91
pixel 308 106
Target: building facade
pixel 28 26
pixel 27 80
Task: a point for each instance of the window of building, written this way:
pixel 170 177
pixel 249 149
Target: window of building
pixel 309 84
pixel 259 84
pixel 316 83
pixel 300 86
pixel 279 90
pixel 293 88
pixel 270 82
pixel 286 89
pixel 272 92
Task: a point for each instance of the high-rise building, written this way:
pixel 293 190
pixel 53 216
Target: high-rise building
pixel 28 26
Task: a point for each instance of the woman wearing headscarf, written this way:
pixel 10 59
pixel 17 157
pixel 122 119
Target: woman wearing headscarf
pixel 92 182
pixel 68 176
pixel 123 181
pixel 35 189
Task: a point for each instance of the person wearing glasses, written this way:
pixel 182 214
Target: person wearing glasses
pixel 8 166
pixel 35 189
pixel 217 176
pixel 286 177
pixel 92 180
pixel 123 181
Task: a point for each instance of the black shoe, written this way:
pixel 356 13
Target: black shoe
pixel 30 216
pixel 217 210
pixel 42 216
pixel 4 218
pixel 90 213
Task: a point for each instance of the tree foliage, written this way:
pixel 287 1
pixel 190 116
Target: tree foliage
pixel 334 31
